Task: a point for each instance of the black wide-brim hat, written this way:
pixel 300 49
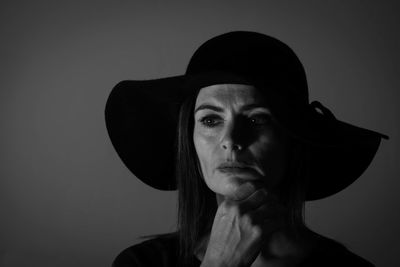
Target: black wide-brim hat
pixel 142 115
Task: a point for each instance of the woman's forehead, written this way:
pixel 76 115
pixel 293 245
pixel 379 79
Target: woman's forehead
pixel 228 94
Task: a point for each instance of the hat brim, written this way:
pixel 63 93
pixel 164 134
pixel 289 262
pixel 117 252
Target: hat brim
pixel 141 119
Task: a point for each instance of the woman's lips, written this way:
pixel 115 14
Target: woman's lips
pixel 234 169
pixel 238 168
pixel 248 172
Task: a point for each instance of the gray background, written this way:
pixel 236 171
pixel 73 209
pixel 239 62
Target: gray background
pixel 67 200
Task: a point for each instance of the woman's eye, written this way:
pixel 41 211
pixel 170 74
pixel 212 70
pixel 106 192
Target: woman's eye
pixel 260 119
pixel 213 121
pixel 210 121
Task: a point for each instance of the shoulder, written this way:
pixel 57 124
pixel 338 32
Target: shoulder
pixel 159 251
pixel 329 252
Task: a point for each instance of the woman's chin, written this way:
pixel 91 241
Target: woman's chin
pixel 242 177
pixel 231 184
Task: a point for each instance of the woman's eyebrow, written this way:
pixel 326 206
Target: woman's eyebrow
pixel 254 106
pixel 219 109
pixel 208 106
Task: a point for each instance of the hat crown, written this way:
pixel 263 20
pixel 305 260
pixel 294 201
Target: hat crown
pixel 255 56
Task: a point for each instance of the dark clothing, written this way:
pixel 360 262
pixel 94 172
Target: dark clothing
pixel 163 252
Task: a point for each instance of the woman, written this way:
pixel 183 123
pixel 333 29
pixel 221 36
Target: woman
pixel 238 138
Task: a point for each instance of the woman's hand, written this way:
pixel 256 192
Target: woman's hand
pixel 241 224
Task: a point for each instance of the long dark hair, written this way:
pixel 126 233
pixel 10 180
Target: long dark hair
pixel 197 204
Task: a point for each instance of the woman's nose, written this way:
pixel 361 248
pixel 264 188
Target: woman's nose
pixel 233 137
pixel 232 146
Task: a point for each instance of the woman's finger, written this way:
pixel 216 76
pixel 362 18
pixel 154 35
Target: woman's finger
pixel 244 190
pixel 254 201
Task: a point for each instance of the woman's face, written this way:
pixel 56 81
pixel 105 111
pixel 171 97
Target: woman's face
pixel 237 139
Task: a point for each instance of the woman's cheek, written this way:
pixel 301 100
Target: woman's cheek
pixel 202 146
pixel 207 153
pixel 271 157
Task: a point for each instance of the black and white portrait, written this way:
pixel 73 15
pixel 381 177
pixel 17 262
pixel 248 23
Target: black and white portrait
pixel 199 133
